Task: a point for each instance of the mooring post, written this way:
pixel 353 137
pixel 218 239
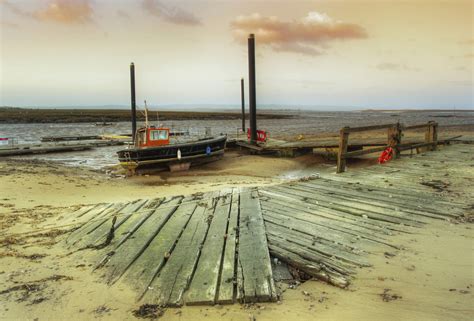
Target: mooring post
pixel 341 153
pixel 428 136
pixel 242 98
pixel 252 90
pixel 133 102
pixel 434 135
pixel 399 139
pixel 394 138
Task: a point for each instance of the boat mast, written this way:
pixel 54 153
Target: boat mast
pixel 146 115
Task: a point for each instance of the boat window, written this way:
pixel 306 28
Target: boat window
pixel 158 134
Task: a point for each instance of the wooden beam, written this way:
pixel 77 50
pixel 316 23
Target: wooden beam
pixel 343 141
pixel 367 128
pixel 363 152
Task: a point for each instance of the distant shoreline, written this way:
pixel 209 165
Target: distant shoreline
pixel 28 115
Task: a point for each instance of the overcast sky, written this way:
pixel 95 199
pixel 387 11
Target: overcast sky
pixel 364 54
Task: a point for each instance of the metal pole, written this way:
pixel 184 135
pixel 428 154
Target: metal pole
pixel 252 90
pixel 133 102
pixel 242 96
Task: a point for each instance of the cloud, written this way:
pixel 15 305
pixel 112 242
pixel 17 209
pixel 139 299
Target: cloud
pixel 170 14
pixel 14 8
pixel 467 42
pixel 389 66
pixel 123 14
pixel 306 36
pixel 10 25
pixel 66 11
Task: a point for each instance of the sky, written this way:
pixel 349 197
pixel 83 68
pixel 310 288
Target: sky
pixel 322 54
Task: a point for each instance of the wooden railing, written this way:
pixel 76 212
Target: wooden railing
pixel 394 140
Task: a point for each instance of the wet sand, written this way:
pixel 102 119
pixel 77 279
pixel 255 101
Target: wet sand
pixel 431 279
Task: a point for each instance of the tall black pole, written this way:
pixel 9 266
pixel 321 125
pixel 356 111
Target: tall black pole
pixel 133 102
pixel 252 90
pixel 242 97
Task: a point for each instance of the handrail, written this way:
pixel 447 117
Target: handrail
pixel 394 140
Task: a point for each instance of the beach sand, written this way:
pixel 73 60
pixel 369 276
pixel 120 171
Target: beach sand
pixel 431 279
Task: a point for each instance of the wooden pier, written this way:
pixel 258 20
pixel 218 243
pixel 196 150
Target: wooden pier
pixel 56 148
pixel 217 247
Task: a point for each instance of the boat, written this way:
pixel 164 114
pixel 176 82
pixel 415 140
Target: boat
pixel 152 150
pixel 104 124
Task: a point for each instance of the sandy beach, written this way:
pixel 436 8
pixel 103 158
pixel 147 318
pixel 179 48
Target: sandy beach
pixel 430 279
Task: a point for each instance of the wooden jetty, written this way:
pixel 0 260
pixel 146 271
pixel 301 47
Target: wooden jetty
pixel 55 148
pixel 347 149
pixel 217 247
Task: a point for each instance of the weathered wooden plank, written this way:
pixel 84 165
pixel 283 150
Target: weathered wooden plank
pixel 330 235
pixel 325 263
pixel 168 287
pixel 407 206
pixel 309 267
pixel 368 205
pixel 328 250
pixel 205 283
pixel 367 185
pixel 329 228
pixel 147 266
pixel 113 222
pixel 254 259
pixel 228 275
pixel 356 222
pixel 99 217
pixel 122 232
pixel 123 256
pixel 344 206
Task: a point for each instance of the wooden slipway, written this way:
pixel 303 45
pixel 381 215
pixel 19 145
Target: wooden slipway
pixel 216 247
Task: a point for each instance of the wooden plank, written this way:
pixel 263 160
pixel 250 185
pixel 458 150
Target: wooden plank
pixel 228 275
pixel 168 287
pixel 254 259
pixel 99 216
pixel 363 152
pixel 427 211
pixel 324 262
pixel 147 266
pixel 124 231
pixel 112 222
pixel 328 250
pixel 308 266
pixel 72 217
pixel 205 283
pixel 367 128
pixel 123 256
pixel 369 205
pixel 329 227
pixel 347 207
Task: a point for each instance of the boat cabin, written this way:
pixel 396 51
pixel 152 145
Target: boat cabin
pixel 152 137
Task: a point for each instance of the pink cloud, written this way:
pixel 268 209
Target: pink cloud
pixel 306 36
pixel 170 14
pixel 66 11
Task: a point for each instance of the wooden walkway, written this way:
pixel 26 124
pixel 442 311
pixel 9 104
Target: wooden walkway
pixel 217 248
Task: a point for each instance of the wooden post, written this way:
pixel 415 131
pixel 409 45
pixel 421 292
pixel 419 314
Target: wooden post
pixel 434 135
pixel 343 142
pixel 428 137
pixel 398 138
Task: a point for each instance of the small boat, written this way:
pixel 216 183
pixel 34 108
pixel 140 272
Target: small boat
pixel 152 150
pixel 104 124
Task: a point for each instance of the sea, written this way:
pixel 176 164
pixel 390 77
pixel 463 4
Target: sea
pixel 300 123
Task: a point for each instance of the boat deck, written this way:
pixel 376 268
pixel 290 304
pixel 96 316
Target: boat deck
pixel 218 247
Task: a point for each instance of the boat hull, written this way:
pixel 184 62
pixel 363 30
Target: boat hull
pixel 166 157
